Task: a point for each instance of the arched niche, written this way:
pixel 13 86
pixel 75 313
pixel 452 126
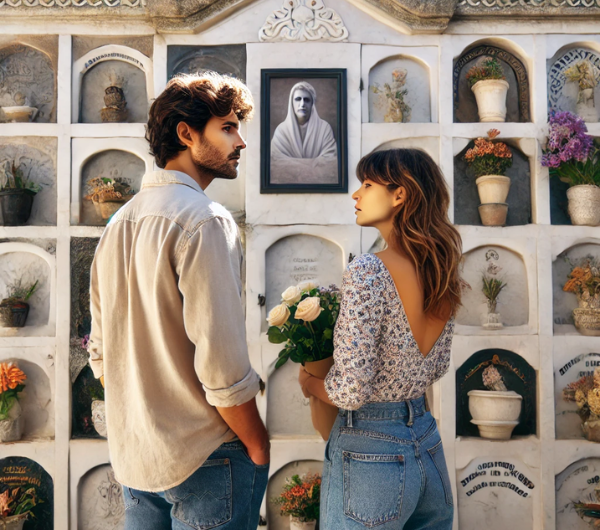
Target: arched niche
pixel 27 78
pixel 579 482
pixel 518 375
pixel 36 158
pixel 113 163
pixel 505 265
pixel 275 520
pixel 100 500
pixel 518 98
pixel 427 144
pixel 496 492
pixel 466 196
pixel 564 302
pixel 301 257
pixel 91 78
pixel 24 264
pixel 401 73
pixel 84 391
pixel 563 93
pixel 288 411
pixel 18 471
pixel 229 59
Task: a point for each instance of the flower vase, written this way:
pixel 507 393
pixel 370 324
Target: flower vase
pixel 496 413
pixel 11 429
pixel 584 205
pixel 591 430
pixel 491 99
pixel 492 320
pixel 99 417
pixel 297 524
pixel 323 414
pixel 14 522
pixel 587 315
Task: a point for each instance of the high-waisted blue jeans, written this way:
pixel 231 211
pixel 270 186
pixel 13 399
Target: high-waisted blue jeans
pixel 384 467
pixel 225 493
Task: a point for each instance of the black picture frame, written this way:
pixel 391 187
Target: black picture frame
pixel 267 130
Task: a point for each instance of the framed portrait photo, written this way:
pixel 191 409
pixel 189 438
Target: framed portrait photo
pixel 304 132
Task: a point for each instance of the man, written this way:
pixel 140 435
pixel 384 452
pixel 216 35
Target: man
pixel 168 325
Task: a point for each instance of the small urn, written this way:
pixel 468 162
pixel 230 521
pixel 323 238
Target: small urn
pixel 115 109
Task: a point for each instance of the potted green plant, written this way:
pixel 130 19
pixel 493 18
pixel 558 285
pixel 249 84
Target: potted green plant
pixel 14 308
pixel 108 194
pixel 16 195
pixel 573 156
pixel 487 81
pixel 300 499
pixel 491 290
pixel 489 160
pixel 584 282
pixel 12 381
pixel 16 505
pixel 585 393
pixel 392 96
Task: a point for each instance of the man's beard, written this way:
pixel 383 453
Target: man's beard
pixel 210 160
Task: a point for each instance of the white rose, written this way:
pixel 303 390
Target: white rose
pixel 307 286
pixel 278 315
pixel 309 309
pixel 291 295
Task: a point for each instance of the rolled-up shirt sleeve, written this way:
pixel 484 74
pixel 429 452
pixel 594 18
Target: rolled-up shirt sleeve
pixel 210 283
pixel 94 348
pixel 349 382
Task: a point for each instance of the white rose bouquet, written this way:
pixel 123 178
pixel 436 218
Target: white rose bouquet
pixel 304 321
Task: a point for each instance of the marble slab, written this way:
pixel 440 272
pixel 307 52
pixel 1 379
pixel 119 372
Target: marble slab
pixel 577 483
pixel 101 504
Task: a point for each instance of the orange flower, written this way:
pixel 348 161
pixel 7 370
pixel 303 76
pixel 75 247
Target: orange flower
pixel 492 133
pixel 10 377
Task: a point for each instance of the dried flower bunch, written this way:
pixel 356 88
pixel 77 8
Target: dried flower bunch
pixel 570 152
pixel 492 287
pixel 585 393
pixel 486 68
pixel 584 278
pixel 488 157
pixel 301 497
pixel 492 379
pixel 13 178
pixel 15 501
pixel 393 93
pixel 304 321
pixel 12 381
pixel 19 294
pixel 104 189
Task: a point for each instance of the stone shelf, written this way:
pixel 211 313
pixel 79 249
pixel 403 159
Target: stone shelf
pixel 568 451
pixel 49 232
pixel 87 231
pixel 593 129
pixel 108 130
pixel 507 129
pixel 23 342
pixel 29 129
pixel 40 450
pixel 463 330
pixel 525 448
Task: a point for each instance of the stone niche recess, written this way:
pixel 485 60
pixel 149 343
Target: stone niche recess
pixel 502 264
pixel 275 520
pixel 466 196
pixel 225 59
pixel 517 100
pixel 570 72
pixel 563 302
pixel 518 375
pixel 579 482
pixel 497 493
pixel 404 76
pixel 28 77
pixel 100 502
pixel 113 164
pixel 36 158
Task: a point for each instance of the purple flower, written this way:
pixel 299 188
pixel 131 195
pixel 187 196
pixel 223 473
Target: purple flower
pixel 568 140
pixel 85 341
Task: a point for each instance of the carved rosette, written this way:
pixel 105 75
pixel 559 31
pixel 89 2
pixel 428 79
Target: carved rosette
pixel 303 20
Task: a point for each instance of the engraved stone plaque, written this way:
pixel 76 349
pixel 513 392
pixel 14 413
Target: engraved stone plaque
pixel 101 504
pixel 578 483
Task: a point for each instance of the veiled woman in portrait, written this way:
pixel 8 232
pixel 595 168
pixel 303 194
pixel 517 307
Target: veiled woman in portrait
pixel 303 149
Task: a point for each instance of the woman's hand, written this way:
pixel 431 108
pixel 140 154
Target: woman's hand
pixel 303 377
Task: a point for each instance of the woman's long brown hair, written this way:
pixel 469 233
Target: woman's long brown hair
pixel 421 226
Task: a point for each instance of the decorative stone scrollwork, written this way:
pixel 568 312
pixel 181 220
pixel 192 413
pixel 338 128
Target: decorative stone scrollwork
pixel 528 3
pixel 72 3
pixel 303 20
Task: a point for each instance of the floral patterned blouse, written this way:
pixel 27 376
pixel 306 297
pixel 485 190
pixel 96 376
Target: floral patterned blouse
pixel 376 357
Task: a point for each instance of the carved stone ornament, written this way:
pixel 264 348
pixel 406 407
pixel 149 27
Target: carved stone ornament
pixel 303 20
pixel 483 4
pixel 72 3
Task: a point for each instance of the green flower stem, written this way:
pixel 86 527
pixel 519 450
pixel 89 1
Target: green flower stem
pixel 309 326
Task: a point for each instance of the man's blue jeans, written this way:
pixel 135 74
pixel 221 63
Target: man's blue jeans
pixel 224 493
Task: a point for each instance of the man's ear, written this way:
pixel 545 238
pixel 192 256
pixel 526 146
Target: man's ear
pixel 399 196
pixel 184 133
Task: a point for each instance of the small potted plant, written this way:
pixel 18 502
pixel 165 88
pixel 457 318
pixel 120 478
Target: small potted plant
pixel 16 505
pixel 300 499
pixel 11 419
pixel 489 160
pixel 584 282
pixel 495 410
pixel 572 156
pixel 304 321
pixel 487 81
pixel 108 194
pixel 14 308
pixel 491 289
pixel 16 195
pixel 585 393
pixel 392 96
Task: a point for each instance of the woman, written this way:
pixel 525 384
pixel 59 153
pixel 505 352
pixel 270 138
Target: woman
pixel 384 463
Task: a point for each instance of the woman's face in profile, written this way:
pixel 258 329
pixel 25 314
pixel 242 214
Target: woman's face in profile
pixel 303 104
pixel 375 204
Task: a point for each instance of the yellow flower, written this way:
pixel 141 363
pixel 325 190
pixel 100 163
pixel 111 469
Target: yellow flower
pixel 593 398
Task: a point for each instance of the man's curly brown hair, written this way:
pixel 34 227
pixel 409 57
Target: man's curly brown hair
pixel 193 99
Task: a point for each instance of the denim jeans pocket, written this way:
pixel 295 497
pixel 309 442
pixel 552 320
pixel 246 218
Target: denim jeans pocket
pixel 373 487
pixel 128 499
pixel 203 501
pixel 439 461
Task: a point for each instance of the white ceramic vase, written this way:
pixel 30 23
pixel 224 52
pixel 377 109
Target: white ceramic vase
pixel 584 204
pixel 491 100
pixel 14 522
pixel 296 524
pixel 21 114
pixel 11 429
pixel 493 189
pixel 495 413
pixel 99 417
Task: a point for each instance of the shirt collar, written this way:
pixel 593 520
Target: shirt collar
pixel 163 177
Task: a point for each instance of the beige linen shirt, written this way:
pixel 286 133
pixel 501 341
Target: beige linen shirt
pixel 168 330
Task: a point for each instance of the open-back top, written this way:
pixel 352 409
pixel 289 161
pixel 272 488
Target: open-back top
pixel 376 357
